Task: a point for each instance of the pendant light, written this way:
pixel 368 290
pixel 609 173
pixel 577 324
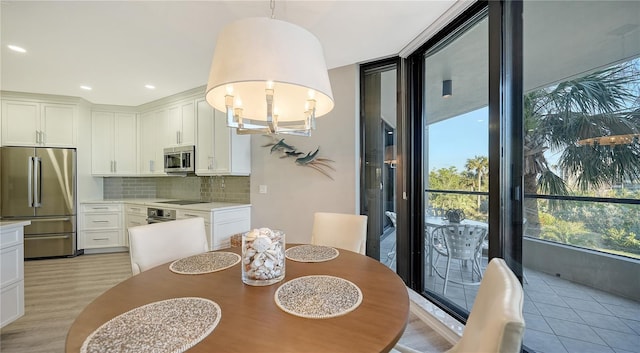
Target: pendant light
pixel 270 77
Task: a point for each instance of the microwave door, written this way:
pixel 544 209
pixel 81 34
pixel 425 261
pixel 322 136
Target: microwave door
pixel 172 161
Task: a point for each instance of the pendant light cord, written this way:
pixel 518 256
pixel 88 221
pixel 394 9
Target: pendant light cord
pixel 272 6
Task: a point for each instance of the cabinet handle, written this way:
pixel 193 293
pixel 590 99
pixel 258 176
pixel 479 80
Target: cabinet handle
pixel 37 137
pixel 100 238
pixel 151 165
pixel 99 208
pixel 177 136
pixel 100 221
pixel 190 215
pixel 135 208
pixel 43 137
pixel 115 166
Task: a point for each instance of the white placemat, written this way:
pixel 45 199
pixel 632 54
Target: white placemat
pixel 318 297
pixel 168 326
pixel 205 263
pixel 311 253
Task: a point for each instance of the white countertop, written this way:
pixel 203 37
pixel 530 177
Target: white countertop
pixel 208 206
pixel 8 224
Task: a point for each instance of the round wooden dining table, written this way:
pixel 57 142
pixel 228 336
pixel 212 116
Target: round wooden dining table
pixel 252 322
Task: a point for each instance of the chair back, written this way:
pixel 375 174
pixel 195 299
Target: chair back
pixel 496 322
pixel 462 241
pixel 345 231
pixel 155 244
pixel 392 217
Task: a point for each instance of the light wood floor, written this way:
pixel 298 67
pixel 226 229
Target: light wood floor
pixel 57 290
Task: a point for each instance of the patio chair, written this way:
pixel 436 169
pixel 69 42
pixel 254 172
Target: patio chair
pixel 496 322
pixel 392 217
pixel 462 242
pixel 155 244
pixel 345 231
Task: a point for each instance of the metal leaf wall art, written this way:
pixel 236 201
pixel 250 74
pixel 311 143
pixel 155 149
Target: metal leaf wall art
pixel 310 159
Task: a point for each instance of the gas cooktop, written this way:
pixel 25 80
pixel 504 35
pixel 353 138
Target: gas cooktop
pixel 181 202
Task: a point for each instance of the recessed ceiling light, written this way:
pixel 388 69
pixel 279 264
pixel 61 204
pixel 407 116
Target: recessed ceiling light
pixel 150 86
pixel 87 88
pixel 17 48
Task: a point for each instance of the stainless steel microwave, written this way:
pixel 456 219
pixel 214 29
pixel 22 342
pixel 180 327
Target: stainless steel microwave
pixel 180 159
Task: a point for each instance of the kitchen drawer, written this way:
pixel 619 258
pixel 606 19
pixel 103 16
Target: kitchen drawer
pixel 11 265
pixel 181 214
pixel 11 236
pixel 233 214
pixel 101 207
pixel 101 221
pixel 136 209
pixel 135 220
pixel 11 302
pixel 100 239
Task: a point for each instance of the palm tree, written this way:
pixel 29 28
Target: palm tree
pixel 479 166
pixel 603 103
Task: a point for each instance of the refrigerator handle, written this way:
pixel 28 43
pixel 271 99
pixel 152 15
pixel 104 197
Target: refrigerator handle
pixel 36 185
pixel 30 182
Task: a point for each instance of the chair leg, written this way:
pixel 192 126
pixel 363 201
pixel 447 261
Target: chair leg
pixel 446 276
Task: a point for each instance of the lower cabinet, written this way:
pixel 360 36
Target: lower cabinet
pixel 11 272
pixel 221 224
pixel 227 222
pixel 101 225
pixel 134 215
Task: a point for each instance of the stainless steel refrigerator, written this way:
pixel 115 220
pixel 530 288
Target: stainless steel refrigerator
pixel 39 184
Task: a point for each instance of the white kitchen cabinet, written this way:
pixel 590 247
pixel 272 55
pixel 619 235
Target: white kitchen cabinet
pixel 101 225
pixel 134 215
pixel 227 222
pixel 183 214
pixel 181 124
pixel 152 142
pixel 221 224
pixel 113 143
pixel 219 150
pixel 11 271
pixel 39 124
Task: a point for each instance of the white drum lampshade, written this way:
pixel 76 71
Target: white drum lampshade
pixel 269 76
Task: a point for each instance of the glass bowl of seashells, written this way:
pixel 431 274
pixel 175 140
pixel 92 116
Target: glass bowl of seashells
pixel 263 259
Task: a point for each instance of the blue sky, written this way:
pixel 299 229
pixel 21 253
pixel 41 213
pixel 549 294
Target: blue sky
pixel 453 141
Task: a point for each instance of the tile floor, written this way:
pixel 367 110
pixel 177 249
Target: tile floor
pixel 561 316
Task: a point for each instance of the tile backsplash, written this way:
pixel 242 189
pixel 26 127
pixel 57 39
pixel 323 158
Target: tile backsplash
pixel 210 189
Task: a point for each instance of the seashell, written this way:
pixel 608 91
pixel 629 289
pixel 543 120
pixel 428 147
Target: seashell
pixel 251 235
pixel 268 263
pixel 258 262
pixel 261 244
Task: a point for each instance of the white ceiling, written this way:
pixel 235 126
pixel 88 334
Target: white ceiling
pixel 562 40
pixel 117 47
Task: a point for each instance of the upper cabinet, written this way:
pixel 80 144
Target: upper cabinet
pixel 39 124
pixel 113 143
pixel 152 127
pixel 181 124
pixel 219 150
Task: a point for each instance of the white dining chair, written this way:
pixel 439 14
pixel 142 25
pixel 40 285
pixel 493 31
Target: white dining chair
pixel 496 322
pixel 155 244
pixel 340 230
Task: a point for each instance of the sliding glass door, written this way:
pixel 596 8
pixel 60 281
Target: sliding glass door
pixel 379 158
pixel 456 161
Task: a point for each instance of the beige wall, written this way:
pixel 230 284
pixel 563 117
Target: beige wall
pixel 294 193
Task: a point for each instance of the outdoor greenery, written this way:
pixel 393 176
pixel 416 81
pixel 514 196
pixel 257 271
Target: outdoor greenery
pixel 601 226
pixel 556 120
